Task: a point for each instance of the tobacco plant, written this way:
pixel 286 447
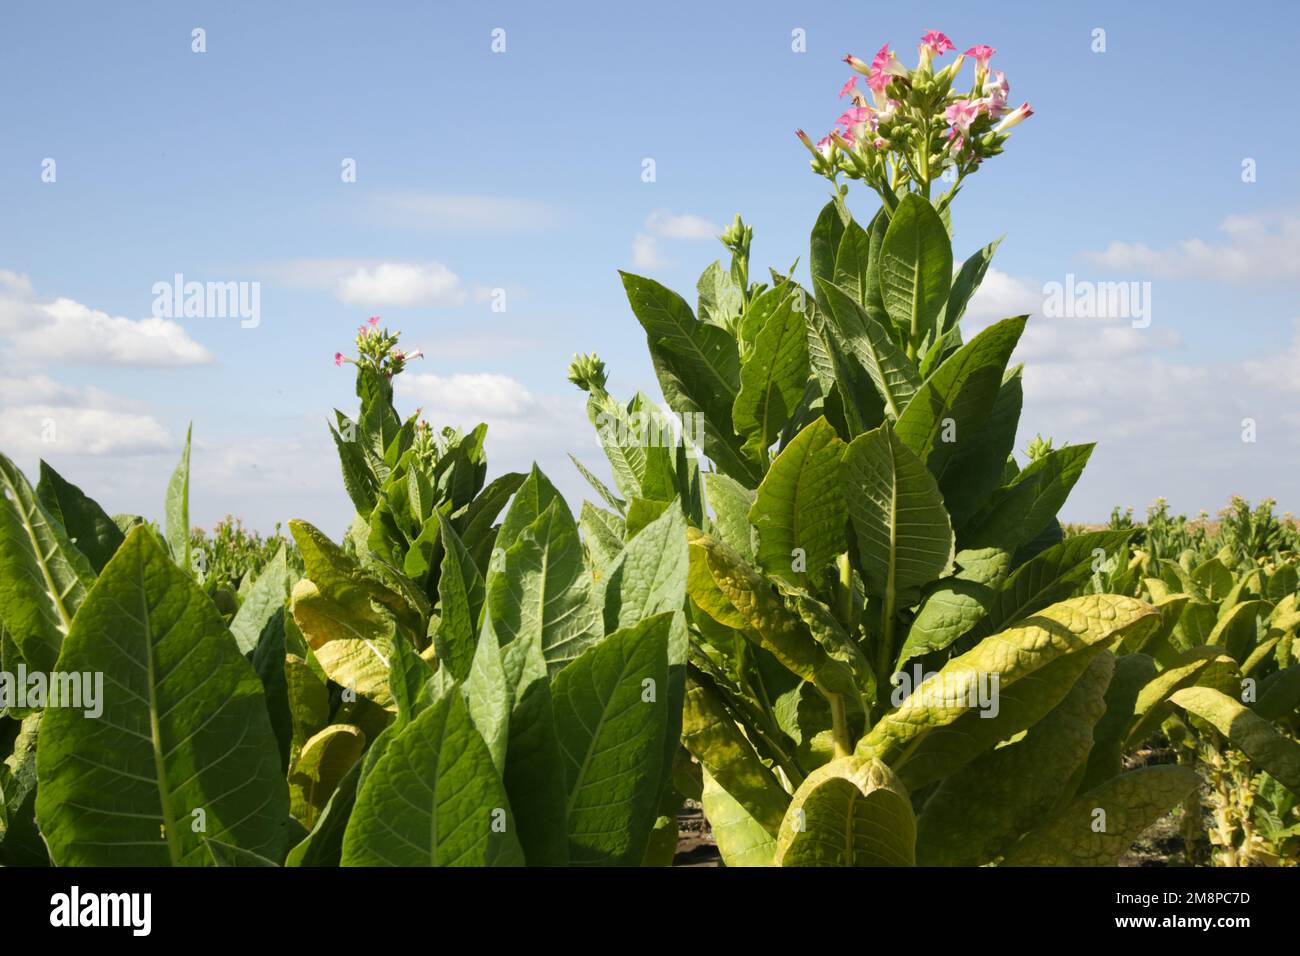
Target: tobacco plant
pixel 866 520
pixel 440 689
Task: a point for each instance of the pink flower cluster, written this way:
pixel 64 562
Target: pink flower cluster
pixel 377 348
pixel 900 106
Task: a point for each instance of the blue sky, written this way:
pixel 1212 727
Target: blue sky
pixel 521 171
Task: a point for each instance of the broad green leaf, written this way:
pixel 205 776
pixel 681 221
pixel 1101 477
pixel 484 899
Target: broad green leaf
pixel 710 733
pixel 433 799
pixel 184 728
pixel 966 282
pixel 1019 511
pixel 975 469
pixel 870 343
pixel 852 263
pixel 86 524
pixel 352 643
pixel 611 715
pixel 952 405
pixel 827 234
pixel 903 535
pixel 1052 576
pixel 602 533
pixel 698 366
pixel 649 577
pixel 851 395
pixel 534 496
pixel 915 266
pixel 741 840
pixel 178 510
pixel 1197 665
pixel 1080 836
pixel 736 595
pixel 732 502
pixel 1235 630
pixel 949 608
pixel 851 812
pixel 720 298
pixel 308 698
pixel 1279 693
pixel 223 854
pixel 543 592
pixel 772 380
pixel 955 714
pixel 510 700
pixel 316 774
pixel 461 593
pixel 341 579
pixel 1271 751
pixel 975 813
pixel 1132 673
pixel 799 510
pixel 43 577
pixel 269 594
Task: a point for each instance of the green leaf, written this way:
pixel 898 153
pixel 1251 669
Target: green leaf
pixel 602 533
pixel 611 716
pixel 178 510
pixel 949 409
pixel 870 343
pixel 611 499
pixel 1132 672
pixel 1052 576
pixel 433 799
pixel 43 577
pixel 1271 751
pixel 827 234
pixel 710 733
pixel 720 297
pixel 903 535
pixel 975 469
pixel 741 839
pixel 950 607
pixel 851 812
pixel 462 593
pixel 353 643
pixel 954 715
pixel 1198 665
pixel 698 366
pixel 975 813
pixel 1131 802
pixel 316 774
pixel 772 380
pixel 800 505
pixel 184 728
pixel 845 383
pixel 223 854
pixel 966 282
pixel 649 576
pixel 268 595
pixel 732 502
pixel 543 592
pixel 852 263
pixel 87 525
pixel 1022 509
pixel 734 594
pixel 915 266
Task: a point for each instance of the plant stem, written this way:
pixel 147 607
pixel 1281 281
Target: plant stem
pixel 840 726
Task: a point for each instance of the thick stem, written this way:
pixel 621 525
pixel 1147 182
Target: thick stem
pixel 840 726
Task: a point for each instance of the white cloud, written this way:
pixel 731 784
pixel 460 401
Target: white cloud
pixel 401 284
pixel 1165 425
pixel 465 214
pixel 43 417
pixel 669 225
pixel 67 331
pixel 1262 246
pixel 645 252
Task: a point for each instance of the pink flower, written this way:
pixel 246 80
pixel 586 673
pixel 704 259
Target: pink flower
pixel 373 320
pixel 418 353
pixel 363 330
pixel 982 53
pixel 996 89
pixel 854 117
pixel 848 87
pixel 1014 118
pixel 937 42
pixel 338 358
pixel 884 67
pixel 960 114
